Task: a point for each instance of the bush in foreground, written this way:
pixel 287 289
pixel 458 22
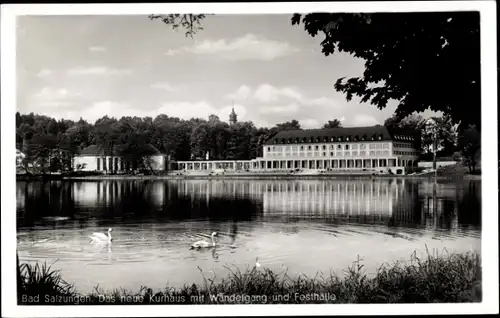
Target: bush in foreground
pixel 34 280
pixel 437 278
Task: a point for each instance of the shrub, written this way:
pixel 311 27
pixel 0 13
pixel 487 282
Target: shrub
pixel 42 280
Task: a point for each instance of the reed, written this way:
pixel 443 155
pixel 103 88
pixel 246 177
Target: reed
pixel 41 279
pixel 435 278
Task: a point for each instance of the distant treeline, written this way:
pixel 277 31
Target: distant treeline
pixel 49 144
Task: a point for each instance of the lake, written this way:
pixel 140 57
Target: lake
pixel 304 227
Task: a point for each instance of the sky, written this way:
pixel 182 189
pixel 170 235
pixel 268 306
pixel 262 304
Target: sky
pixel 86 67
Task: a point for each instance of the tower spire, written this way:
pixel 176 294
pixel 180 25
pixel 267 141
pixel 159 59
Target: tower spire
pixel 232 116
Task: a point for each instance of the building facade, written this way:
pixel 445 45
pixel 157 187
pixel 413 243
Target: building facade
pixel 93 158
pixel 371 149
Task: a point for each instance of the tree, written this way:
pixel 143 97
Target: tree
pixel 171 137
pixel 18 119
pixel 201 142
pixel 258 138
pixel 469 143
pixel 213 119
pixel 289 125
pixel 104 134
pixel 39 151
pixel 457 157
pixel 72 141
pixel 416 59
pixel 444 130
pixel 23 132
pixel 219 137
pixel 190 22
pixel 240 140
pixel 333 124
pixel 412 122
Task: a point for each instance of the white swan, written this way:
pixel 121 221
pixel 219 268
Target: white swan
pixel 101 237
pixel 203 243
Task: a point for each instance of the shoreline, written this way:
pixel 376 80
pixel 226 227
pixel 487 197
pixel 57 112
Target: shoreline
pixel 441 278
pixel 274 176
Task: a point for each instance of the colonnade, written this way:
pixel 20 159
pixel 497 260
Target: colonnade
pixel 112 163
pixel 214 165
pixel 266 164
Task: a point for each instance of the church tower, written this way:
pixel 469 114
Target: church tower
pixel 233 118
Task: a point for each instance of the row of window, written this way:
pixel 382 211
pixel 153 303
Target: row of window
pixel 337 138
pixel 397 145
pixel 325 147
pixel 327 139
pixel 399 137
pixel 406 153
pixel 331 154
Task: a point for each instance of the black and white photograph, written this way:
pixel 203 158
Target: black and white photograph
pixel 183 158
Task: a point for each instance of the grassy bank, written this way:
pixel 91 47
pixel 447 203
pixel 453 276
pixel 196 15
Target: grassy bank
pixel 435 279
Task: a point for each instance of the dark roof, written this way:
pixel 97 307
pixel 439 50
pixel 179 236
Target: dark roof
pixel 370 133
pixel 404 134
pixel 94 150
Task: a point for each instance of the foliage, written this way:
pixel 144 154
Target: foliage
pixel 50 145
pixel 289 125
pixel 469 142
pixel 416 59
pixel 34 280
pixel 440 132
pixel 190 22
pixel 440 127
pixel 333 124
pixel 413 122
pixel 457 156
pixel 436 278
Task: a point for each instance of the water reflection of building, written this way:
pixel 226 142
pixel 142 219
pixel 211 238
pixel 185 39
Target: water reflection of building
pixel 426 204
pixel 108 193
pixel 395 202
pixel 94 194
pixel 221 188
pixel 313 198
pixel 398 201
pixel 372 201
pixel 42 199
pixel 405 197
pixel 87 193
pixel 439 204
pixel 158 193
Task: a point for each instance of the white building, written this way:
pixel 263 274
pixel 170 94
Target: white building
pixel 92 158
pixel 350 149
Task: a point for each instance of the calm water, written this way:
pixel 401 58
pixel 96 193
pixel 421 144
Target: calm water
pixel 304 226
